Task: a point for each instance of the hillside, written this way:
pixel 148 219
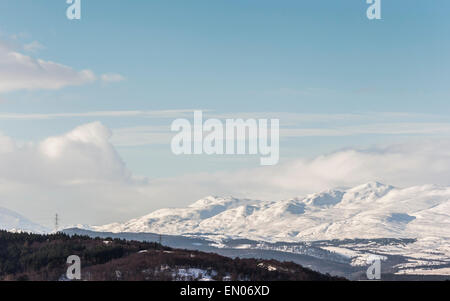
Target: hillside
pixel 26 256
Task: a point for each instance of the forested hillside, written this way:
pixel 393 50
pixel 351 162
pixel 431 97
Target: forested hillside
pixel 26 256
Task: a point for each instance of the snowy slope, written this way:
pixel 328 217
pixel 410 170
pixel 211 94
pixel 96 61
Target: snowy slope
pixel 12 221
pixel 371 210
pixel 182 220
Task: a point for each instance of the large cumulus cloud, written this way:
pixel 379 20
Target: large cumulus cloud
pixel 81 155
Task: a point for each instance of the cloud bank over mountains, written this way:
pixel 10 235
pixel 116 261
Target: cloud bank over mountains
pixel 80 173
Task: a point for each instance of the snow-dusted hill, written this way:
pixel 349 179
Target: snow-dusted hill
pixel 14 222
pixel 369 211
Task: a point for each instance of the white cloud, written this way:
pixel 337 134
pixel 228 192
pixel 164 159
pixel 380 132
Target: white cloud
pixel 124 113
pixel 83 154
pixel 151 135
pixel 78 174
pixel 398 128
pixel 33 46
pixel 414 163
pixel 22 72
pixel 112 78
pixel 6 144
pixel 294 125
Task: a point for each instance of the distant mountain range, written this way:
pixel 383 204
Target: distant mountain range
pixel 408 227
pixel 372 210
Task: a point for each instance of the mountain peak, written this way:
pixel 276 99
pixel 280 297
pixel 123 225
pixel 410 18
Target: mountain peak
pixel 325 198
pixel 211 200
pixel 372 187
pixel 12 221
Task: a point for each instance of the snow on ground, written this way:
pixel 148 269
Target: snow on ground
pixel 443 271
pixel 194 273
pixel 368 211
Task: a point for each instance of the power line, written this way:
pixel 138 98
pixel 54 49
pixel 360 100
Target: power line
pixel 56 222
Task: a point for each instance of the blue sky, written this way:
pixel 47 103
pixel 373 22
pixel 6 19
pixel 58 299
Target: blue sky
pixel 318 65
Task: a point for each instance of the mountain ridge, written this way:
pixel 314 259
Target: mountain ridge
pixel 371 210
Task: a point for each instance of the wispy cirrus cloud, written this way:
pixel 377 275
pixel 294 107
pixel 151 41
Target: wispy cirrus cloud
pixel 112 78
pixel 33 46
pixel 399 128
pixel 154 125
pixel 159 135
pixel 117 114
pixel 23 72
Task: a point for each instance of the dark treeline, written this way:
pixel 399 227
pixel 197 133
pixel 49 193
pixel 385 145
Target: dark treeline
pixel 25 256
pixel 44 256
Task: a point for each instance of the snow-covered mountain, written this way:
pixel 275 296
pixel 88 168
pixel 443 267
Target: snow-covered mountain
pixel 14 222
pixel 369 211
